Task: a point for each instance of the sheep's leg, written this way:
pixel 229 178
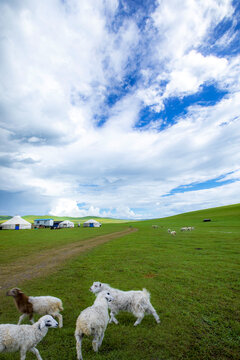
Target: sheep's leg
pixel 36 352
pixel 60 320
pixel 154 313
pixel 23 354
pixel 139 319
pixel 101 340
pixel 112 318
pixel 95 343
pixel 21 318
pixel 79 346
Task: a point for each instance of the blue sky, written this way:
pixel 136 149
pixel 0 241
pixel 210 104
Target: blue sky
pixel 120 108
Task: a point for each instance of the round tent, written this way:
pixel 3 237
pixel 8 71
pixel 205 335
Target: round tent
pixel 92 223
pixel 66 224
pixel 16 223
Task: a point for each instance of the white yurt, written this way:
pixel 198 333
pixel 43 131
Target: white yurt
pixel 66 224
pixel 92 223
pixel 16 223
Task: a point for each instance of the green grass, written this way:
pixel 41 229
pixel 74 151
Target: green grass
pixel 18 244
pixel 194 283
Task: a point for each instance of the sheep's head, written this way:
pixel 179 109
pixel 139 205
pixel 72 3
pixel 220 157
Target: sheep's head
pixel 108 297
pixel 47 321
pixel 105 295
pixel 96 287
pixel 14 292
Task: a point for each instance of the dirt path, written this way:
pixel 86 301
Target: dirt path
pixel 47 261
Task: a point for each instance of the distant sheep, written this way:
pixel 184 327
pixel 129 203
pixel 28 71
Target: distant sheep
pixel 136 302
pixel 25 338
pixel 169 231
pixel 173 233
pixel 93 322
pixel 184 228
pixel 42 305
pixel 155 226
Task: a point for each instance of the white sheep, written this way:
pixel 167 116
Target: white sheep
pixel 184 228
pixel 25 338
pixel 173 233
pixel 136 302
pixel 42 305
pixel 93 322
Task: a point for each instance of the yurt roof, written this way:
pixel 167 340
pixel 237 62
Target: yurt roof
pixel 91 221
pixel 16 220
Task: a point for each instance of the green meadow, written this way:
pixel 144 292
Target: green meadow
pixel 193 278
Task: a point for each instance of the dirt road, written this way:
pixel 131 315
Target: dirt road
pixel 44 262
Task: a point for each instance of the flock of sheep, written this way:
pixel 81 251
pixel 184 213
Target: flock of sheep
pixel 92 321
pixel 173 232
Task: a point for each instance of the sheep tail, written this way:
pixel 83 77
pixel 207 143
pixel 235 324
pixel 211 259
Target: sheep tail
pixel 146 293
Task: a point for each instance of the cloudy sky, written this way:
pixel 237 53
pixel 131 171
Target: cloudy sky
pixel 120 108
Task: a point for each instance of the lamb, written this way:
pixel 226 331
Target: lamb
pixel 42 305
pixel 136 302
pixel 173 233
pixel 25 337
pixel 93 322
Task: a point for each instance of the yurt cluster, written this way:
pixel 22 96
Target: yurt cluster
pixel 18 223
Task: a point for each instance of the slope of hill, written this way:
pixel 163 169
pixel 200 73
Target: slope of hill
pixel 229 213
pixel 76 220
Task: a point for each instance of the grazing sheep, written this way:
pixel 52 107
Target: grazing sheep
pixel 173 233
pixel 155 226
pixel 93 322
pixel 25 338
pixel 42 305
pixel 136 302
pixel 184 228
pixel 169 231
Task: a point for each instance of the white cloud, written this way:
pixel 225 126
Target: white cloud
pixel 69 207
pixel 197 200
pixel 193 70
pixel 63 63
pixel 183 25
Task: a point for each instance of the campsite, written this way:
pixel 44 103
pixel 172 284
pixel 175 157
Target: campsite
pixel 193 279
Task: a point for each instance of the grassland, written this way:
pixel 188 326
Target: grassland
pixel 193 279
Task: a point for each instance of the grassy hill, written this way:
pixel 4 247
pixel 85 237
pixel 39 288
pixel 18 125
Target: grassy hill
pixel 75 220
pixel 215 214
pixel 4 218
pixel 223 216
pixel 193 279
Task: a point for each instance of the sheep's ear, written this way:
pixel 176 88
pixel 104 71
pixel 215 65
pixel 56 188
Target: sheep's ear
pixel 41 325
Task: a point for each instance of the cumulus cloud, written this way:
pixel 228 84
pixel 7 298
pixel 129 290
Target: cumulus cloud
pixel 76 79
pixel 69 207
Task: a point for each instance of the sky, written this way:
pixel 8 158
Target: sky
pixel 119 108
